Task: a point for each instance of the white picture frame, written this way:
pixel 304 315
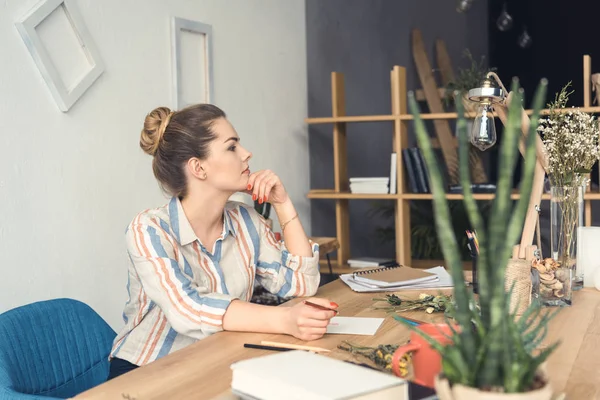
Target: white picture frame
pixel 178 26
pixel 64 96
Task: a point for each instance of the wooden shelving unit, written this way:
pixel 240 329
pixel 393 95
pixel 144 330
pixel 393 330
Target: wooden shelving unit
pixel 400 118
pixel 408 117
pixel 331 194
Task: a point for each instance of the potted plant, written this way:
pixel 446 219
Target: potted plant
pixel 467 79
pixel 570 139
pixel 493 352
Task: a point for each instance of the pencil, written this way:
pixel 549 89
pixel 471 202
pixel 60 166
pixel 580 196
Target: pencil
pixel 320 307
pixel 476 241
pixel 408 321
pixel 414 321
pixel 262 347
pixel 294 346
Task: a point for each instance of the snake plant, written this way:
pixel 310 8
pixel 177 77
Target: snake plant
pixel 492 347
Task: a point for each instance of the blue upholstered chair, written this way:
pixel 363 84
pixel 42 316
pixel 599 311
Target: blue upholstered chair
pixel 52 349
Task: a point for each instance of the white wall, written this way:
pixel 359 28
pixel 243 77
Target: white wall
pixel 71 182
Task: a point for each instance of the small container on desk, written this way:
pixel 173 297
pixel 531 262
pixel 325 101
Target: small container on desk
pixel 474 270
pixel 474 257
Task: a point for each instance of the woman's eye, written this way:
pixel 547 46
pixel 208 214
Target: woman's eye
pixel 232 148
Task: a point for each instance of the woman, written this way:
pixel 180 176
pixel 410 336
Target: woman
pixel 193 262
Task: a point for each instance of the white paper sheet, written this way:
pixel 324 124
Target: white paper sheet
pixel 354 325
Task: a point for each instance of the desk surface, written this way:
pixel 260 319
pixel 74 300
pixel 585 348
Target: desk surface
pixel 202 370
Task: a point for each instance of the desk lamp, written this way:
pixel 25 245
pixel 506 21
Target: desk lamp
pixel 483 136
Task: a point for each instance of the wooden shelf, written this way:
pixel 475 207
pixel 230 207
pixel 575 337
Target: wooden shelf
pixel 356 118
pixel 449 196
pixel 409 117
pixel 332 194
pixel 486 196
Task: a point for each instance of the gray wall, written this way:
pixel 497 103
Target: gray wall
pixel 364 39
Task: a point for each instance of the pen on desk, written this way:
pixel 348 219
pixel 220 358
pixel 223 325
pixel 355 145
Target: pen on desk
pixel 410 321
pixel 263 347
pixel 294 346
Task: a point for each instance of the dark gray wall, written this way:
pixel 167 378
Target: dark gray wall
pixel 364 39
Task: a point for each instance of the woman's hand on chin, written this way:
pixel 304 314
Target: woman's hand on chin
pixel 266 186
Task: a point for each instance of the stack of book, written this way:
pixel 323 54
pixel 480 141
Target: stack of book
pixel 369 185
pixel 416 170
pixel 418 177
pixel 362 262
pixel 299 374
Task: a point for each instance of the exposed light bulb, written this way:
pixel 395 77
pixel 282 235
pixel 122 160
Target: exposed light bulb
pixel 504 21
pixel 483 133
pixel 463 5
pixel 524 40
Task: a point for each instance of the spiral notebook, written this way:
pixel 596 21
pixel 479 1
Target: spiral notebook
pixel 393 276
pixel 443 281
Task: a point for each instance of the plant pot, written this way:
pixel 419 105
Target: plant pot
pixel 426 361
pixel 460 392
pixel 518 278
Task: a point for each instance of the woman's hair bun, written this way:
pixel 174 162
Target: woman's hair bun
pixel 155 125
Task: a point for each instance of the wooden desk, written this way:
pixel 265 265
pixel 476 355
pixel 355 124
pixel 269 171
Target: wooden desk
pixel 201 371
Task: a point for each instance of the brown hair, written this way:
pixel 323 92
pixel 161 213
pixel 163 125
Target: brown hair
pixel 172 138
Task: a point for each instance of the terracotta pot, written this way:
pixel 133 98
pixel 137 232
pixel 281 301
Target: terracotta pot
pixel 460 392
pixel 426 361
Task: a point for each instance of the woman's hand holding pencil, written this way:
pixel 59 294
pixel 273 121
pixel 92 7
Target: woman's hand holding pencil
pixel 308 319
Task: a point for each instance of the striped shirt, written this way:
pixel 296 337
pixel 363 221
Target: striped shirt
pixel 179 290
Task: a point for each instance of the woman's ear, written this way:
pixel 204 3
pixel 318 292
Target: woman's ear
pixel 196 168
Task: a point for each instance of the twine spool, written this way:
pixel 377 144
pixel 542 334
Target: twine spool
pixel 518 271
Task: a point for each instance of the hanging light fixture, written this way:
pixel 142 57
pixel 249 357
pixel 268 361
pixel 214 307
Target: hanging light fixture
pixel 463 5
pixel 504 21
pixel 524 40
pixel 483 134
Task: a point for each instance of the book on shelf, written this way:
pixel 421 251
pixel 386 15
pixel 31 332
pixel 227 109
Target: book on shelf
pixel 369 185
pixel 393 173
pixel 362 262
pixel 410 175
pixel 417 173
pixel 299 374
pixel 420 169
pixel 475 188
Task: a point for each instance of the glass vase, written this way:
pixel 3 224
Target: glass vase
pixel 578 273
pixel 556 284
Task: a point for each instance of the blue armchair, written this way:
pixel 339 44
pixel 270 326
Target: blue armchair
pixel 52 349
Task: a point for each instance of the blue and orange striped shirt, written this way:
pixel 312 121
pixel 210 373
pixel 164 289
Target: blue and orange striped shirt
pixel 179 290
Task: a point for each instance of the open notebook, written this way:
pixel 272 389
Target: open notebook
pixel 393 276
